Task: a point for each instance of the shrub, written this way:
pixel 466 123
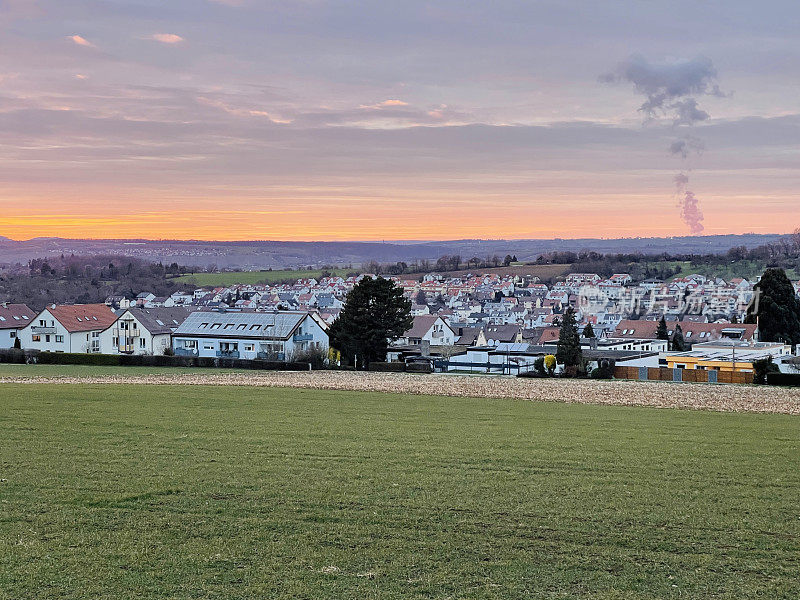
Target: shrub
pixel 570 371
pixel 538 364
pixel 317 357
pixel 418 367
pixel 168 351
pixel 605 369
pixel 761 368
pixel 777 378
pixel 550 364
pixel 531 374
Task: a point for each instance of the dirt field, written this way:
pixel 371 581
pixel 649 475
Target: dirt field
pixel 733 398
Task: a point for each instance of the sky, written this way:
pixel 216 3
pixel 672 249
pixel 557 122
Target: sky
pixel 395 120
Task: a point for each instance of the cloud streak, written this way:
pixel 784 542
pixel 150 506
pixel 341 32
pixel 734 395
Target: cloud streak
pixel 167 38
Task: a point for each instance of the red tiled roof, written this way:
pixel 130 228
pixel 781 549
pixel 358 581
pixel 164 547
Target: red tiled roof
pixel 83 317
pixel 646 330
pixel 15 316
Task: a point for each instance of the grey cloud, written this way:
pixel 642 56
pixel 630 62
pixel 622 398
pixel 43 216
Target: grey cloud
pixel 667 84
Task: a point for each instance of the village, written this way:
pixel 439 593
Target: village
pixel 475 323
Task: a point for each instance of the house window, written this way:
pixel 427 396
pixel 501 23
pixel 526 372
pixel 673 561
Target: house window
pixel 47 338
pixel 208 346
pixel 216 325
pixel 36 338
pixel 13 334
pixel 249 347
pixel 190 344
pixel 59 339
pixel 141 342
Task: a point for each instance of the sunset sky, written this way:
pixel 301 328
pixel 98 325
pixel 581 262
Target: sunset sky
pixel 306 119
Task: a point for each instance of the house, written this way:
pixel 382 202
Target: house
pixel 280 335
pixel 417 310
pixel 13 318
pixel 118 302
pixel 68 328
pixel 159 301
pixel 142 330
pixel 493 335
pixel 144 297
pixel 431 329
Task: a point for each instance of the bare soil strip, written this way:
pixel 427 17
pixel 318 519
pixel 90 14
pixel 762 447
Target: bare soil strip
pixel 731 398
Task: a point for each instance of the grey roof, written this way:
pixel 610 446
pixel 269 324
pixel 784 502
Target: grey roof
pixel 252 325
pixel 162 319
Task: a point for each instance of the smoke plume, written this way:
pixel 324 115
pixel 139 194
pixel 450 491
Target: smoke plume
pixel 670 91
pixel 686 145
pixel 689 205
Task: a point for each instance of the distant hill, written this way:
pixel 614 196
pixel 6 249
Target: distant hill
pixel 280 254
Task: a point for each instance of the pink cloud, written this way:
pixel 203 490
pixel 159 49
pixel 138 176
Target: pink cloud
pixel 82 41
pixel 167 38
pixel 385 104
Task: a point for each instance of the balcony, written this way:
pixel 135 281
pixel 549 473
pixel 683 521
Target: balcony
pixel 37 330
pixel 302 337
pixel 228 353
pixel 185 352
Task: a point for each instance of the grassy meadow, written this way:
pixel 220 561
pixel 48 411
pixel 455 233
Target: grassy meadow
pixel 134 491
pixel 226 278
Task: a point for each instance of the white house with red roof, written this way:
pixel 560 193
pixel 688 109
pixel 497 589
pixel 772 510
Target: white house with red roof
pixel 68 328
pixel 429 328
pixel 13 318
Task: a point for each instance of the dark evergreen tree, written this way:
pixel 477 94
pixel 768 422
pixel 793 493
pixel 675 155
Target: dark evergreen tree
pixel 775 308
pixel 588 331
pixel 678 341
pixel 661 332
pixel 375 313
pixel 568 350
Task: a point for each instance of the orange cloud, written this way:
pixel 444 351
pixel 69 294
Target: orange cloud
pixel 385 104
pixel 82 41
pixel 167 38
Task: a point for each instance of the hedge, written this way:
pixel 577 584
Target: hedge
pixel 790 379
pixel 419 367
pixel 387 367
pixel 143 360
pixel 13 356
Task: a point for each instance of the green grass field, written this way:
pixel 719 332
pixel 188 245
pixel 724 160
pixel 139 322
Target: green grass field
pixel 253 277
pixel 222 492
